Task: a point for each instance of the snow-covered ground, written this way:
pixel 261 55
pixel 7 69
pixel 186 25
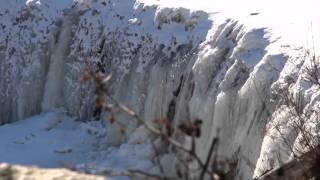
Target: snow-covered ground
pixel 53 140
pixel 294 22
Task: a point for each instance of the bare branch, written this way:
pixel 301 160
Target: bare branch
pixel 213 144
pixel 304 167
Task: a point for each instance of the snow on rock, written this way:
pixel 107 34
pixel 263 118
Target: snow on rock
pixel 284 138
pixel 168 59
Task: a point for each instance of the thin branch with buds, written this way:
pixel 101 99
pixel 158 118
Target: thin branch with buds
pixel 103 92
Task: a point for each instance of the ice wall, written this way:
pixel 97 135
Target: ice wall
pixel 28 47
pixel 59 48
pixel 167 62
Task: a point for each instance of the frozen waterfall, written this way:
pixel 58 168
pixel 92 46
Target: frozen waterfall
pixel 59 49
pixel 170 62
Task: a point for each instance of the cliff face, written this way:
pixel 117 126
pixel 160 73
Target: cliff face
pixel 167 62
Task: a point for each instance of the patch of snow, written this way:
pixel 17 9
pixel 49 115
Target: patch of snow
pixel 54 140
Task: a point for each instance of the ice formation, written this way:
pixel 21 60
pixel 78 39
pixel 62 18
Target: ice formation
pixel 166 61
